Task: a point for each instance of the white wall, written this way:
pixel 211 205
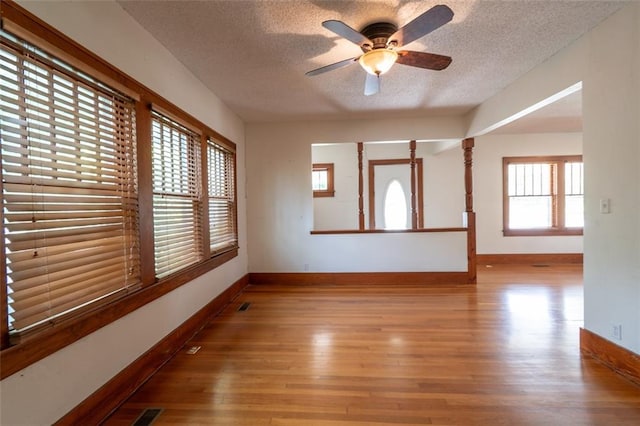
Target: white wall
pixel 280 212
pixel 611 99
pixel 341 210
pixel 43 392
pixel 487 163
pixel 607 62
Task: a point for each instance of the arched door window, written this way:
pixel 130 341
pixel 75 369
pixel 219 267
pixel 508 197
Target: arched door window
pixel 395 207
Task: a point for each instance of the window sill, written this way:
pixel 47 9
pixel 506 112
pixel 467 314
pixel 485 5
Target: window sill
pixel 64 333
pixel 318 194
pixel 541 232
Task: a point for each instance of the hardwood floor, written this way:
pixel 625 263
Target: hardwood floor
pixel 504 352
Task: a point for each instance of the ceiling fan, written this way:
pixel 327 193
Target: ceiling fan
pixel 380 42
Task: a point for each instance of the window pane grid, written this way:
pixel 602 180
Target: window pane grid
pixel 320 180
pixel 69 192
pixel 177 210
pixel 539 197
pixel 574 182
pixel 221 193
pixel 529 179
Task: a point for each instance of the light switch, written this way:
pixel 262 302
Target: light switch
pixel 605 206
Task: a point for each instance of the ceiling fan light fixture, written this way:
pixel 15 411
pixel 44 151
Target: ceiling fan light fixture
pixel 378 61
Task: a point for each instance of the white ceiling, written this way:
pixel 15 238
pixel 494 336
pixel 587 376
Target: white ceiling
pixel 254 54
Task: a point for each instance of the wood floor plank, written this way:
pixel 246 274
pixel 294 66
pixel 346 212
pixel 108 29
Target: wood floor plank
pixel 503 352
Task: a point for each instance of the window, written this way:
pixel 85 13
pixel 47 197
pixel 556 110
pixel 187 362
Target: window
pixel 543 195
pixel 222 197
pixel 86 166
pixel 395 207
pixel 322 180
pixel 69 195
pixel 177 192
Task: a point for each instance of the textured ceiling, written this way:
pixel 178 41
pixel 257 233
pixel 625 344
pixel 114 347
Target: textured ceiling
pixel 254 54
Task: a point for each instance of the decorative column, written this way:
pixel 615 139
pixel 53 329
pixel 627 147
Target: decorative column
pixel 412 162
pixel 467 146
pixel 360 188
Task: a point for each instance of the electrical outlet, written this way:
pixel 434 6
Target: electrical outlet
pixel 617 331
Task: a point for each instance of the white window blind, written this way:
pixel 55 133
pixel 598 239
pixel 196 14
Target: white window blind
pixel 221 190
pixel 177 205
pixel 69 195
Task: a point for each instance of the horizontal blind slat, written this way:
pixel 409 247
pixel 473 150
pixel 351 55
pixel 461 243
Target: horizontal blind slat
pixel 69 188
pixel 176 202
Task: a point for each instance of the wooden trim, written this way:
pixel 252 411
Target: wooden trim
pixel 17 30
pixel 372 198
pixel 371 179
pixel 420 206
pixel 385 231
pixel 541 232
pixel 412 164
pixel 95 408
pixel 42 30
pixel 472 258
pixel 557 196
pixel 505 196
pixel 467 146
pixel 330 191
pixel 145 194
pixel 35 348
pixel 204 196
pixel 4 309
pixel 617 358
pixel 529 258
pixel 364 278
pixel 360 188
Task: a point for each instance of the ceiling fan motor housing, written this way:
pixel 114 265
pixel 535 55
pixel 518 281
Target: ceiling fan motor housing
pixel 378 33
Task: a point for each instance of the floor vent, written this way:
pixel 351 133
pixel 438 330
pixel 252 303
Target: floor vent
pixel 540 265
pixel 244 307
pixel 193 350
pixel 147 417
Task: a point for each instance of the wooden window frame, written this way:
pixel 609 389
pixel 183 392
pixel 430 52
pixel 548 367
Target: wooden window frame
pixel 65 135
pixel 229 196
pixel 330 191
pixel 177 187
pixel 415 187
pixel 558 196
pixel 71 328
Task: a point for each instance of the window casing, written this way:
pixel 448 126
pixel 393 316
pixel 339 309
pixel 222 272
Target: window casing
pixel 543 195
pixel 223 230
pixel 108 179
pixel 322 180
pixel 177 195
pixel 69 189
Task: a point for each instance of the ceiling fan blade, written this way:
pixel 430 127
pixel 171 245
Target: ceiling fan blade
pixel 333 66
pixel 429 21
pixel 430 61
pixel 371 85
pixel 345 31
